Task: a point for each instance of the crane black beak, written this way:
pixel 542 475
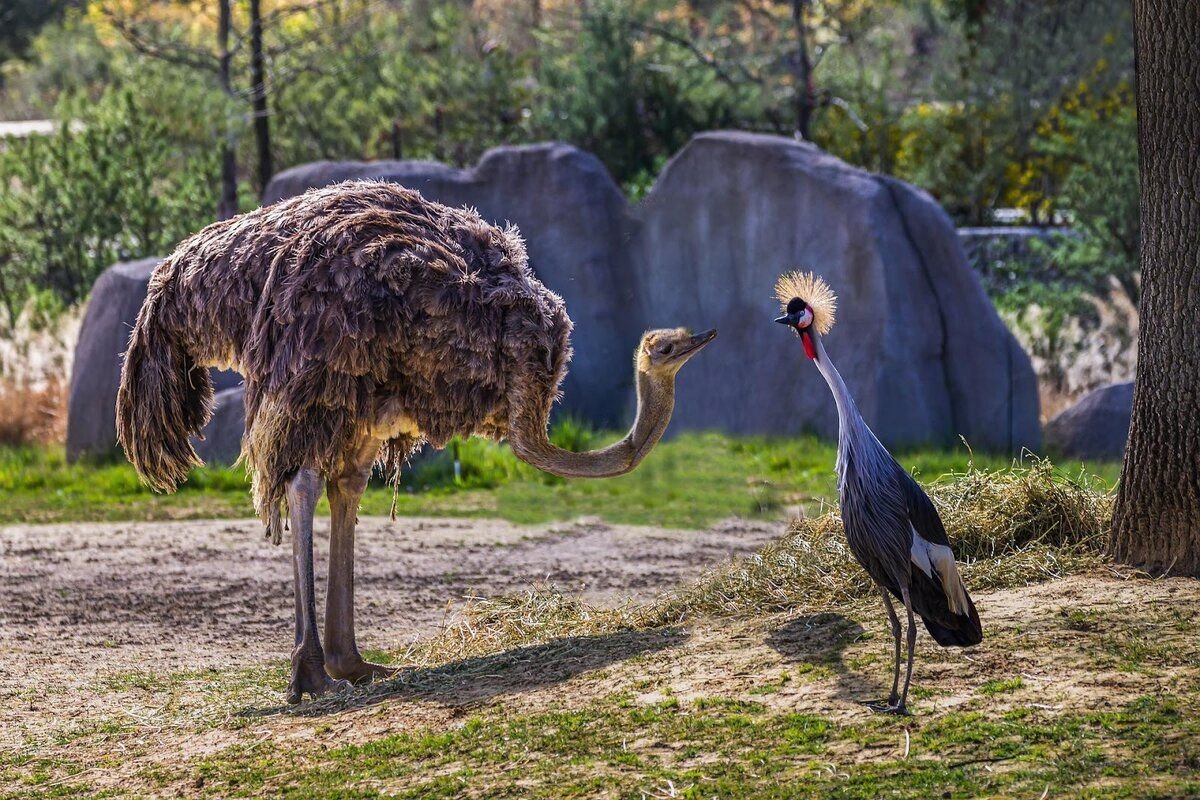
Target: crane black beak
pixel 787 319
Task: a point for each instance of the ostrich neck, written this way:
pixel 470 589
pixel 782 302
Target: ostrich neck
pixel 655 402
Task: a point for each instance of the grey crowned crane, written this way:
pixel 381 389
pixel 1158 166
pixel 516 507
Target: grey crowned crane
pixel 891 525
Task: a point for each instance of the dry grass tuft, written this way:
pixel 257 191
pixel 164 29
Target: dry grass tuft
pixel 35 360
pixel 1023 525
pixel 490 625
pixel 31 412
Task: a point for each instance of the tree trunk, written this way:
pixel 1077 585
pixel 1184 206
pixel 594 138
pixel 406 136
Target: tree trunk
pixel 1156 525
pixel 262 121
pixel 805 91
pixel 227 205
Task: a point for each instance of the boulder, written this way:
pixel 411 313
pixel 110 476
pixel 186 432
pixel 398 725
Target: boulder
pixel 573 218
pixel 96 371
pixel 919 343
pixel 222 436
pixel 1096 427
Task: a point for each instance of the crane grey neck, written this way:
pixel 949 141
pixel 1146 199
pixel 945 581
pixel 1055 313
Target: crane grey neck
pixel 856 441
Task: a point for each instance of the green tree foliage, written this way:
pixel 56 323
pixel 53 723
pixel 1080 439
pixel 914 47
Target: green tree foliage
pixel 1099 192
pixel 617 89
pixel 420 83
pixel 990 105
pixel 109 185
pixel 972 142
pixel 21 20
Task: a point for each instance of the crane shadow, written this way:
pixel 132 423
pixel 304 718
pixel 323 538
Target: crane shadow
pixel 819 641
pixel 473 680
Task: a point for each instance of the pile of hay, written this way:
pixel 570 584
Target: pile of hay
pixel 1009 527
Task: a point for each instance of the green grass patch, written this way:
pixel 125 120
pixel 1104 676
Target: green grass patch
pixel 726 747
pixel 692 481
pixel 1002 685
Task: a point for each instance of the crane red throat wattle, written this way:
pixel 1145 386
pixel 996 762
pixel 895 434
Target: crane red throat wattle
pixel 809 349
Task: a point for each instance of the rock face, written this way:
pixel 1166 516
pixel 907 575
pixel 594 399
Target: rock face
pixel 918 342
pixel 112 309
pixel 1097 427
pixel 91 410
pixel 222 442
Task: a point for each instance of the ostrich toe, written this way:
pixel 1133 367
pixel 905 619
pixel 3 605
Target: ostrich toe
pixel 356 670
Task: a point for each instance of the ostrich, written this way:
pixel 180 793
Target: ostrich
pixel 891 525
pixel 365 321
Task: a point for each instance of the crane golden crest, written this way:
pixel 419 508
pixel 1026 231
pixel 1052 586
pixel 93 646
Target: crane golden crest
pixel 813 291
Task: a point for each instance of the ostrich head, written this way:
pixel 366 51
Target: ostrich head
pixel 662 352
pixel 809 307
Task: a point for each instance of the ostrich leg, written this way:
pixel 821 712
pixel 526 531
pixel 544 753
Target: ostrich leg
pixel 308 661
pixel 342 658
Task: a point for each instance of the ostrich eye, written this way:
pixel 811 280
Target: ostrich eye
pixel 667 349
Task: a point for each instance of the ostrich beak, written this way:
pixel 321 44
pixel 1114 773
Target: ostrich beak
pixel 693 345
pixel 696 343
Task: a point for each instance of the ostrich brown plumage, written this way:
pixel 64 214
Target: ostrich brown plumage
pixel 365 320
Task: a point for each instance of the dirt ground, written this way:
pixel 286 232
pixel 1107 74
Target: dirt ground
pixel 135 651
pixel 83 602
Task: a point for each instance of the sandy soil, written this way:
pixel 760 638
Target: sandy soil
pixel 85 601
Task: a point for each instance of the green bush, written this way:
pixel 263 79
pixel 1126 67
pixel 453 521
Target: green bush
pixel 423 82
pixel 1100 194
pixel 628 96
pixel 109 185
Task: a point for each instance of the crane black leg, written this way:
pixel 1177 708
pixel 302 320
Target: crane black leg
pixel 895 623
pixel 902 706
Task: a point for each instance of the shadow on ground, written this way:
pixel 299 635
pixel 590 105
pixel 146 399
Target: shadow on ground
pixel 472 680
pixel 820 640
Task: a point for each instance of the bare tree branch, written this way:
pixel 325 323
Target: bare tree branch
pixel 831 100
pixel 170 52
pixel 704 58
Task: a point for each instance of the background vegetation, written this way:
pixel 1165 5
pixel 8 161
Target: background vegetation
pixel 1017 105
pixel 1006 111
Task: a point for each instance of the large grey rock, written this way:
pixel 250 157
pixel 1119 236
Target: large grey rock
pixel 222 442
pixel 1096 427
pixel 918 342
pixel 573 218
pixel 111 311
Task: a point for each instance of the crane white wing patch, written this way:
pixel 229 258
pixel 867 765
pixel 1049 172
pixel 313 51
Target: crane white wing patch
pixel 939 558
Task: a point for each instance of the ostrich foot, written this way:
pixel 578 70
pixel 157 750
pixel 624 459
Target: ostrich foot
pixel 310 678
pixel 355 670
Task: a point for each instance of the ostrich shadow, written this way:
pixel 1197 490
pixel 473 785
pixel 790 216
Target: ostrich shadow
pixel 819 640
pixel 470 681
